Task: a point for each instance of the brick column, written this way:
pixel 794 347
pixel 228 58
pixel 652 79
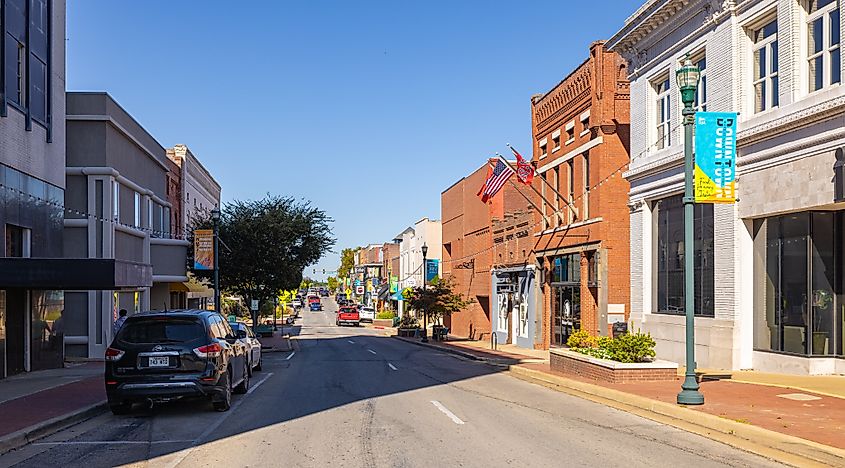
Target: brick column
pixel 589 319
pixel 546 311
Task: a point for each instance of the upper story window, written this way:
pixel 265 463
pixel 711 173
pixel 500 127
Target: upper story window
pixel 137 210
pixel 585 123
pixel 823 63
pixel 543 148
pixel 26 42
pixel 570 132
pixel 663 113
pixel 765 51
pixel 115 212
pixel 700 103
pixel 555 140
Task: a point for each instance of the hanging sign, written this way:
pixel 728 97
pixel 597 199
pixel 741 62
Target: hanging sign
pixel 715 157
pixel 432 269
pixel 203 249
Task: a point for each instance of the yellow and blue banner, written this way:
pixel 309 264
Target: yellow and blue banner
pixel 715 157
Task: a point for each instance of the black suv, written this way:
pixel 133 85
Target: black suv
pixel 160 356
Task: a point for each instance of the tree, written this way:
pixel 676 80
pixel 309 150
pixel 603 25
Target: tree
pixel 266 244
pixel 332 282
pixel 435 300
pixel 347 261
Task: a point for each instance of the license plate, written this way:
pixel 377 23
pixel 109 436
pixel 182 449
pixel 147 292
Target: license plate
pixel 159 361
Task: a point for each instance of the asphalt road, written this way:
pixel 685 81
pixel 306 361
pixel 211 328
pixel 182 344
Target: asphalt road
pixel 350 397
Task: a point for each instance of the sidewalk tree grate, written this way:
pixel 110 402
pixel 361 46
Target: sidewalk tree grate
pixel 799 397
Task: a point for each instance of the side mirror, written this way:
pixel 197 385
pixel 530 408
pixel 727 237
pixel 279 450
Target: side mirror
pixel 241 334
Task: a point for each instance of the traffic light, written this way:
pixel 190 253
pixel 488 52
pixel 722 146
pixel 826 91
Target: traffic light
pixel 324 271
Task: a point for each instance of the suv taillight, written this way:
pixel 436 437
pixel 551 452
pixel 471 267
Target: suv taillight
pixel 114 354
pixel 212 350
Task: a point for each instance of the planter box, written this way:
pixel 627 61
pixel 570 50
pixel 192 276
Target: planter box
pixel 580 365
pixel 408 332
pixel 383 322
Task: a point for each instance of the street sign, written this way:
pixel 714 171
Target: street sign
pixel 359 290
pixel 255 304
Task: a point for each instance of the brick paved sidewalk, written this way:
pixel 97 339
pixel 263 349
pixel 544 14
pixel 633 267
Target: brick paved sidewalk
pixel 39 403
pixel 803 414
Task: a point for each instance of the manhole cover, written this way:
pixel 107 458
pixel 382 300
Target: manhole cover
pixel 799 397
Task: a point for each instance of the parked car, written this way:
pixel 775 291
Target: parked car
pixel 367 314
pixel 296 303
pixel 253 346
pixel 161 356
pixel 347 316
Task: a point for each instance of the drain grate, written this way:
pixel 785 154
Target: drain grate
pixel 799 397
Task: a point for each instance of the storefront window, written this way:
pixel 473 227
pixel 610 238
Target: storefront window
pixel 670 257
pixel 803 303
pixel 567 269
pixel 47 328
pixel 2 333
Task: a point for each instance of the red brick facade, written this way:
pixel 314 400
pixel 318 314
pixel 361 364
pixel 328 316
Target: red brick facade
pixel 584 124
pixel 468 252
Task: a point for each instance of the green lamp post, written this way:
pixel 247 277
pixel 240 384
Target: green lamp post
pixel 688 76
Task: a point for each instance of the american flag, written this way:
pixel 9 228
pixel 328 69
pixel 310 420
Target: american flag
pixel 497 179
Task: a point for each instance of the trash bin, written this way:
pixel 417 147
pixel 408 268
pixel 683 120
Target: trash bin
pixel 620 328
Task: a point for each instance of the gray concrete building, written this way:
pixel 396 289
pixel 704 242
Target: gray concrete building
pixel 117 209
pixel 32 182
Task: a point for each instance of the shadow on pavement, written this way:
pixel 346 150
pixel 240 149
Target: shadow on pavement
pixel 327 372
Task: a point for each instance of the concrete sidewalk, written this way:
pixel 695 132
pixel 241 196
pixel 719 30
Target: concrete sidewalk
pixel 37 404
pixel 798 420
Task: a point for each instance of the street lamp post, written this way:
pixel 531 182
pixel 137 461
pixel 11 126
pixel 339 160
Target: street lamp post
pixel 215 218
pixel 425 316
pixel 688 76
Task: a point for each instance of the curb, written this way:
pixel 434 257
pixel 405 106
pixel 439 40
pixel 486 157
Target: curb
pixel 770 444
pixel 43 429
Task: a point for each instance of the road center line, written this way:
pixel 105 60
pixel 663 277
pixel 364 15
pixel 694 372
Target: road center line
pixel 290 355
pixel 370 350
pixel 391 366
pixel 446 411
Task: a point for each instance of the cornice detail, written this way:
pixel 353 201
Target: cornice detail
pixel 563 94
pixel 801 118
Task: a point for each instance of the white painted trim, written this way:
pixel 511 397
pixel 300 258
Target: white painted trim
pixel 169 279
pixel 176 242
pixel 130 230
pixel 570 125
pixel 571 154
pixel 556 133
pixel 108 171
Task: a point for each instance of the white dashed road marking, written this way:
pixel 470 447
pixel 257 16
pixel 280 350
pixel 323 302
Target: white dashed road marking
pixel 290 355
pixel 446 411
pixel 370 350
pixel 391 366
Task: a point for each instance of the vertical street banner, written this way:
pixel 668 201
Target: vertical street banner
pixel 715 157
pixel 432 269
pixel 394 284
pixel 203 249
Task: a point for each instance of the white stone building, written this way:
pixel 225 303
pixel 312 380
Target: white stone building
pixel 424 231
pixel 769 269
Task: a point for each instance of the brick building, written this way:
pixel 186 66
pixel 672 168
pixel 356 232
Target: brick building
pixel 468 252
pixel 581 131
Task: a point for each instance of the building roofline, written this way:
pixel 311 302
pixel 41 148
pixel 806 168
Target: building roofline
pixel 199 163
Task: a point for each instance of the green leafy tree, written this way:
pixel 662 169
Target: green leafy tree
pixel 266 244
pixel 435 301
pixel 347 261
pixel 333 283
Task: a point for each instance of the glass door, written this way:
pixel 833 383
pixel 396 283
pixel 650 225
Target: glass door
pixel 566 305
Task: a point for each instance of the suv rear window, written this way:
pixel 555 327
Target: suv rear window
pixel 161 330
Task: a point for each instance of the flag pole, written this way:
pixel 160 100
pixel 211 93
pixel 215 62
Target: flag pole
pixel 523 195
pixel 560 195
pixel 565 201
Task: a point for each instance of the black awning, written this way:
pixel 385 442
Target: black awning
pixel 74 273
pixel 384 292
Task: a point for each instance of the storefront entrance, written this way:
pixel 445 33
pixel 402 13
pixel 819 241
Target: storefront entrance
pixel 15 323
pixel 566 309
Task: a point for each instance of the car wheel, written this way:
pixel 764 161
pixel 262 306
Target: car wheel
pixel 226 402
pixel 120 408
pixel 244 385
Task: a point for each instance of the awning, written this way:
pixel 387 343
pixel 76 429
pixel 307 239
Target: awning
pixel 384 293
pixel 190 286
pixel 74 273
pixel 397 296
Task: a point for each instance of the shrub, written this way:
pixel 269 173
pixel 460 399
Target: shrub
pixel 634 347
pixel 409 322
pixel 580 339
pixel 385 315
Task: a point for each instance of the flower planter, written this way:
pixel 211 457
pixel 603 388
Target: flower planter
pixel 603 370
pixel 383 322
pixel 407 332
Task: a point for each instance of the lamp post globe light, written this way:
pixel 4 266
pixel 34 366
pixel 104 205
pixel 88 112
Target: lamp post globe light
pixel 688 76
pixel 215 219
pixel 425 317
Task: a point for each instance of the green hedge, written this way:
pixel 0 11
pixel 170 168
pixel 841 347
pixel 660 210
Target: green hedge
pixel 630 347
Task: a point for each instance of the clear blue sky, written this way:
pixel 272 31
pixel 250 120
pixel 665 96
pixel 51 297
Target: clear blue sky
pixel 368 108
